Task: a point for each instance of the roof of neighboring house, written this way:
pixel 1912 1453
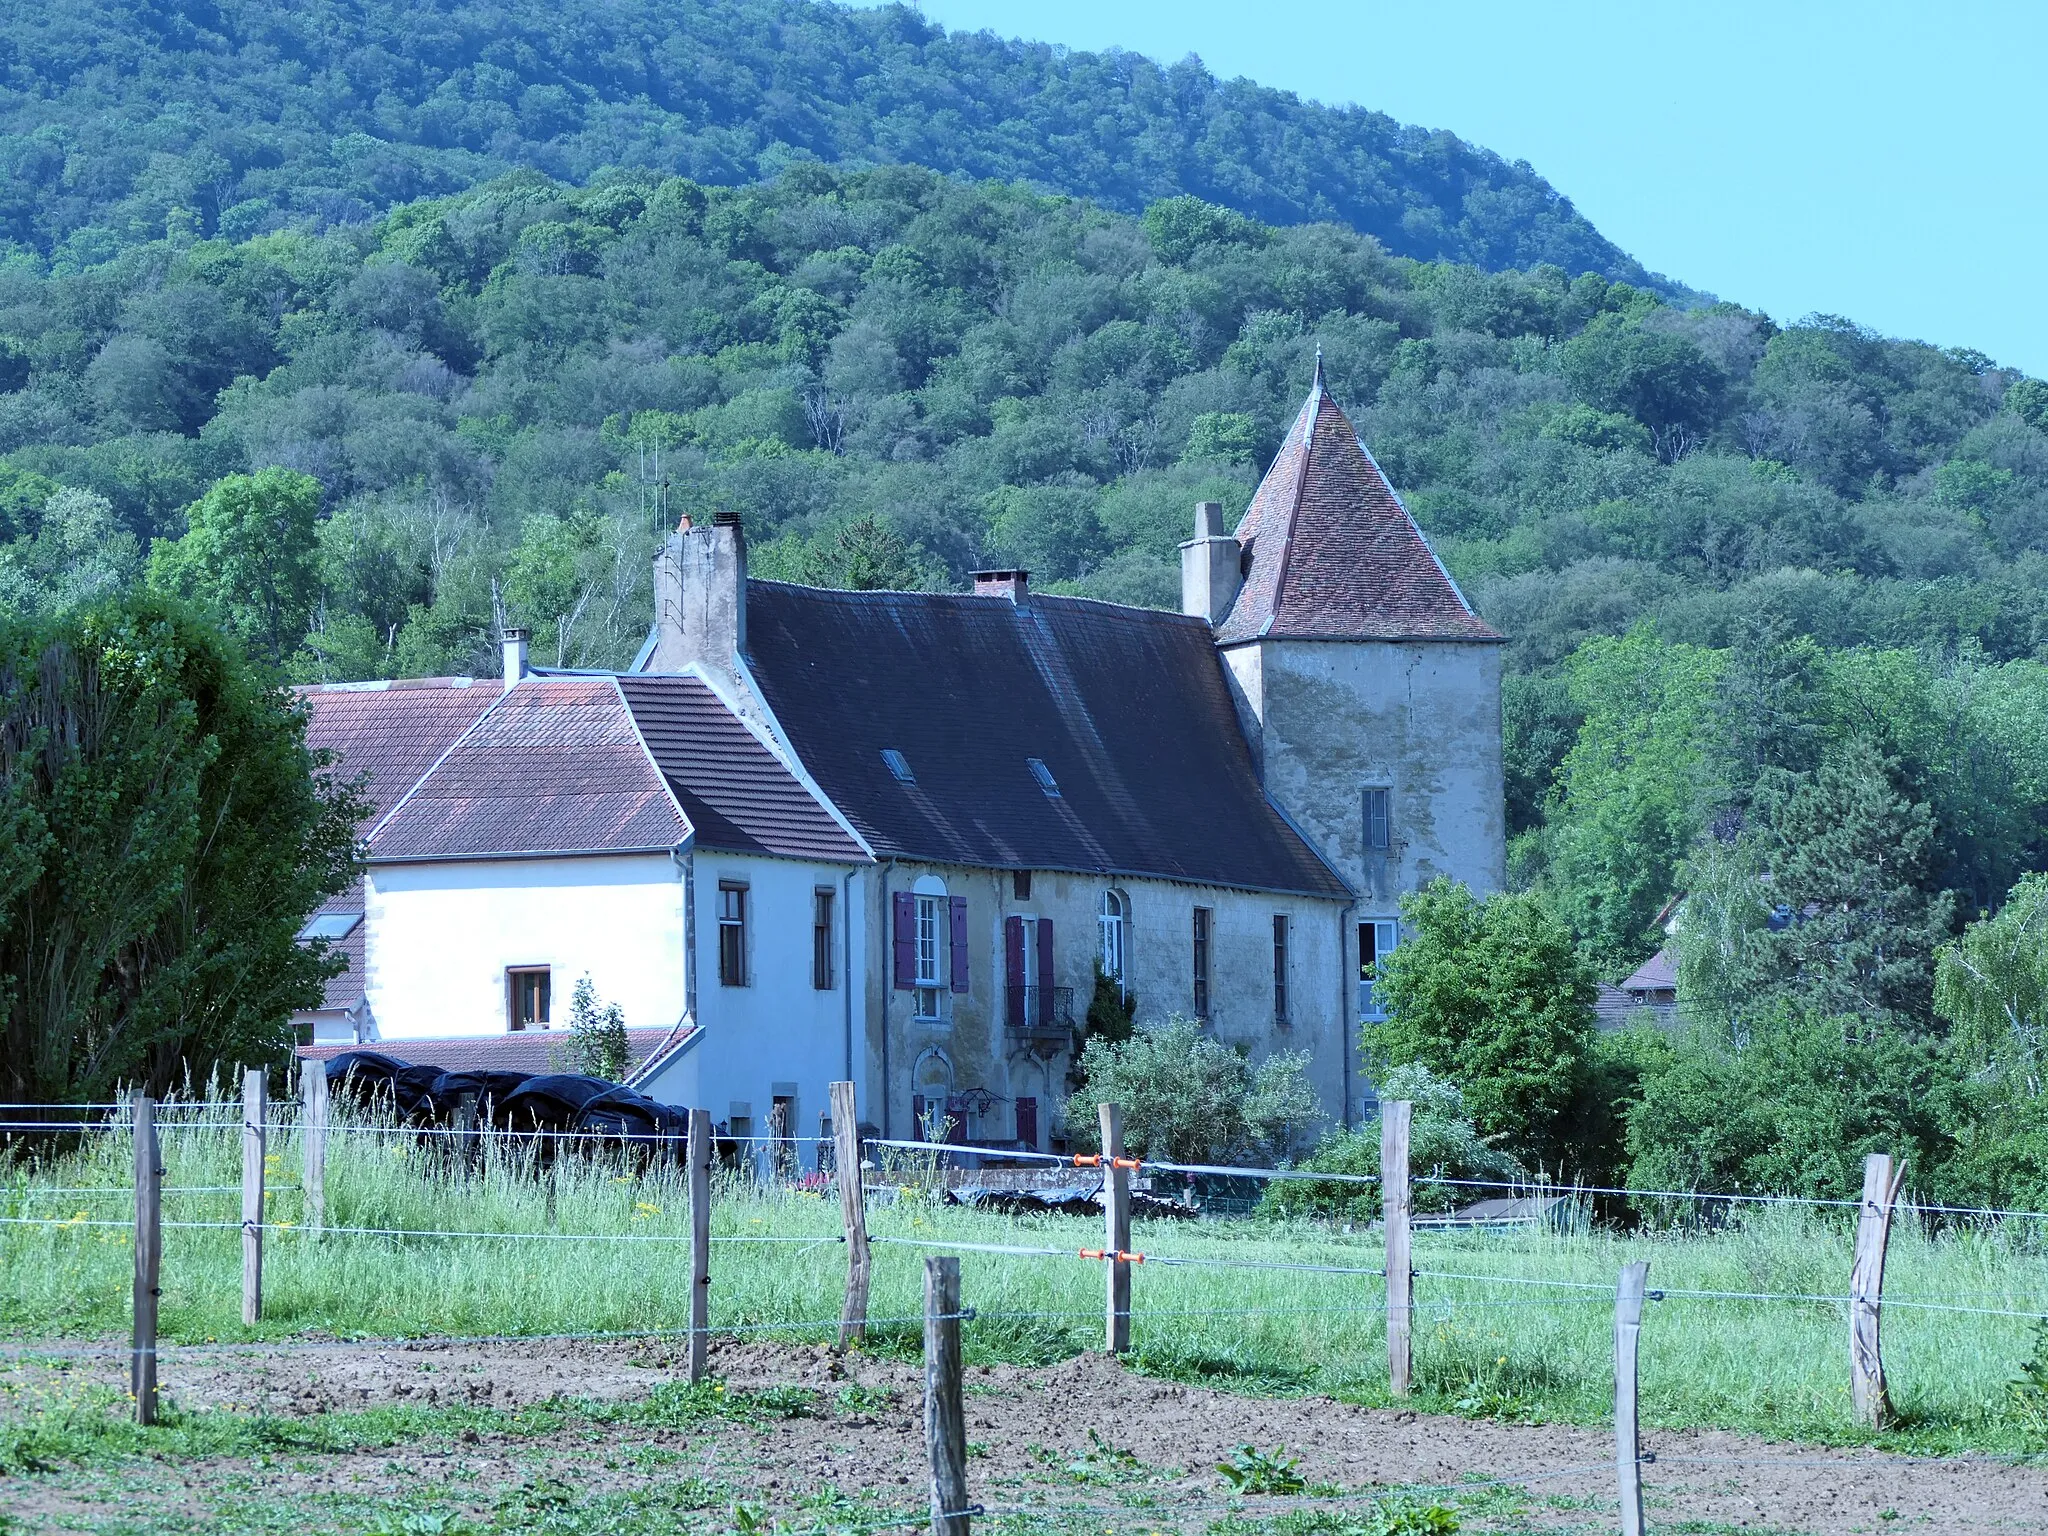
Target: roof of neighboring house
pixel 1334 554
pixel 555 768
pixel 736 793
pixel 391 732
pixel 1126 710
pixel 1612 1007
pixel 1659 973
pixel 528 1050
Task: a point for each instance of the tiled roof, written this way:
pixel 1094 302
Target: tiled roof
pixel 1126 709
pixel 736 793
pixel 555 768
pixel 1334 554
pixel 1659 973
pixel 392 732
pixel 529 1050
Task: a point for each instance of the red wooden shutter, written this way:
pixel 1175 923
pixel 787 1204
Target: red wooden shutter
pixel 1013 970
pixel 917 1117
pixel 962 974
pixel 1027 1123
pixel 956 1122
pixel 906 940
pixel 1045 970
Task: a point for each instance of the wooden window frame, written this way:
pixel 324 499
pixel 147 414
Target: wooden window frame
pixel 821 938
pixel 1204 936
pixel 732 933
pixel 514 976
pixel 1376 807
pixel 1283 938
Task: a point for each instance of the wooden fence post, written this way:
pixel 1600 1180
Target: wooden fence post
pixel 254 1106
pixel 149 1252
pixel 313 1133
pixel 945 1419
pixel 1116 1210
pixel 699 1155
pixel 1395 1201
pixel 853 1210
pixel 1628 1464
pixel 1881 1178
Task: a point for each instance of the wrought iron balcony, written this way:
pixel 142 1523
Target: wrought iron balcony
pixel 1040 1013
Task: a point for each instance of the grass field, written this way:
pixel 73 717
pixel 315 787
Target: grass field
pixel 1484 1348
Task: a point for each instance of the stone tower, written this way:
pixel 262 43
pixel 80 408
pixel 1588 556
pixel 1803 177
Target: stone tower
pixel 1368 686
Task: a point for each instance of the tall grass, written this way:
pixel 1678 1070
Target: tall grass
pixel 1483 1346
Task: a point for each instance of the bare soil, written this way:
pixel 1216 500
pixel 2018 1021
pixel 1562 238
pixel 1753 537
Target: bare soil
pixel 1030 1430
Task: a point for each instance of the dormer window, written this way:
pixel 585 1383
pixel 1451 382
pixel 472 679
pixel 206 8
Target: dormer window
pixel 898 766
pixel 1044 776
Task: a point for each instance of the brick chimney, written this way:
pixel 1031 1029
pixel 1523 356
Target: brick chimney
pixel 700 597
pixel 1015 585
pixel 1211 566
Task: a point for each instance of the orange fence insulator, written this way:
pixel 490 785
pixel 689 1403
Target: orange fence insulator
pixel 1120 1255
pixel 1087 1160
pixel 1126 1162
pixel 1093 1253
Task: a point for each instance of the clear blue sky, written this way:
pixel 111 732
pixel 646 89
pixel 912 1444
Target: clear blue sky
pixel 1883 161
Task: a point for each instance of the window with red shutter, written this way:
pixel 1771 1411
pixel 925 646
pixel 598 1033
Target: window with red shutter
pixel 1013 972
pixel 905 938
pixel 962 976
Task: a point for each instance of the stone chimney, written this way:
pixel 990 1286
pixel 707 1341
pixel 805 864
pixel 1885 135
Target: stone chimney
pixel 700 597
pixel 1015 585
pixel 1211 566
pixel 515 657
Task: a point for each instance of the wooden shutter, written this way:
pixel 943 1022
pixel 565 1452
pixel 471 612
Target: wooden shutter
pixel 905 906
pixel 1045 970
pixel 917 1117
pixel 1027 1123
pixel 962 974
pixel 1013 970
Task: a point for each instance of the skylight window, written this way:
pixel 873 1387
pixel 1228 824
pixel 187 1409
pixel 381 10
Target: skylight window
pixel 330 925
pixel 1044 776
pixel 899 765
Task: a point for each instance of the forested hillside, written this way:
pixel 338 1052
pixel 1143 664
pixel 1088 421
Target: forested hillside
pixel 502 397
pixel 120 122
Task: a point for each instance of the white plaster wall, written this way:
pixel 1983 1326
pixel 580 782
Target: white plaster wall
pixel 1159 958
pixel 779 1028
pixel 441 936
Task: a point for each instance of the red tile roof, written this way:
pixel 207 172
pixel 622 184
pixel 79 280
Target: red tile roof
pixel 391 732
pixel 555 768
pixel 735 792
pixel 1334 554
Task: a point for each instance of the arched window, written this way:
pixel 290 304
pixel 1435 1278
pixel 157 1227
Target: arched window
pixel 1116 927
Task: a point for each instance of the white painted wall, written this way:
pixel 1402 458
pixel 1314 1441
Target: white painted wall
pixel 441 936
pixel 778 1033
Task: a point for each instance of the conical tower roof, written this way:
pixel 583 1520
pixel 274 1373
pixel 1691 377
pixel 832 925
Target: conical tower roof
pixel 1334 554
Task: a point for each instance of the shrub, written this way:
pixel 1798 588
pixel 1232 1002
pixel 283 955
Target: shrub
pixel 1187 1098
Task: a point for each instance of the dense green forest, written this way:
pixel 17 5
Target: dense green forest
pixel 1774 591
pixel 120 122
pixel 501 398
